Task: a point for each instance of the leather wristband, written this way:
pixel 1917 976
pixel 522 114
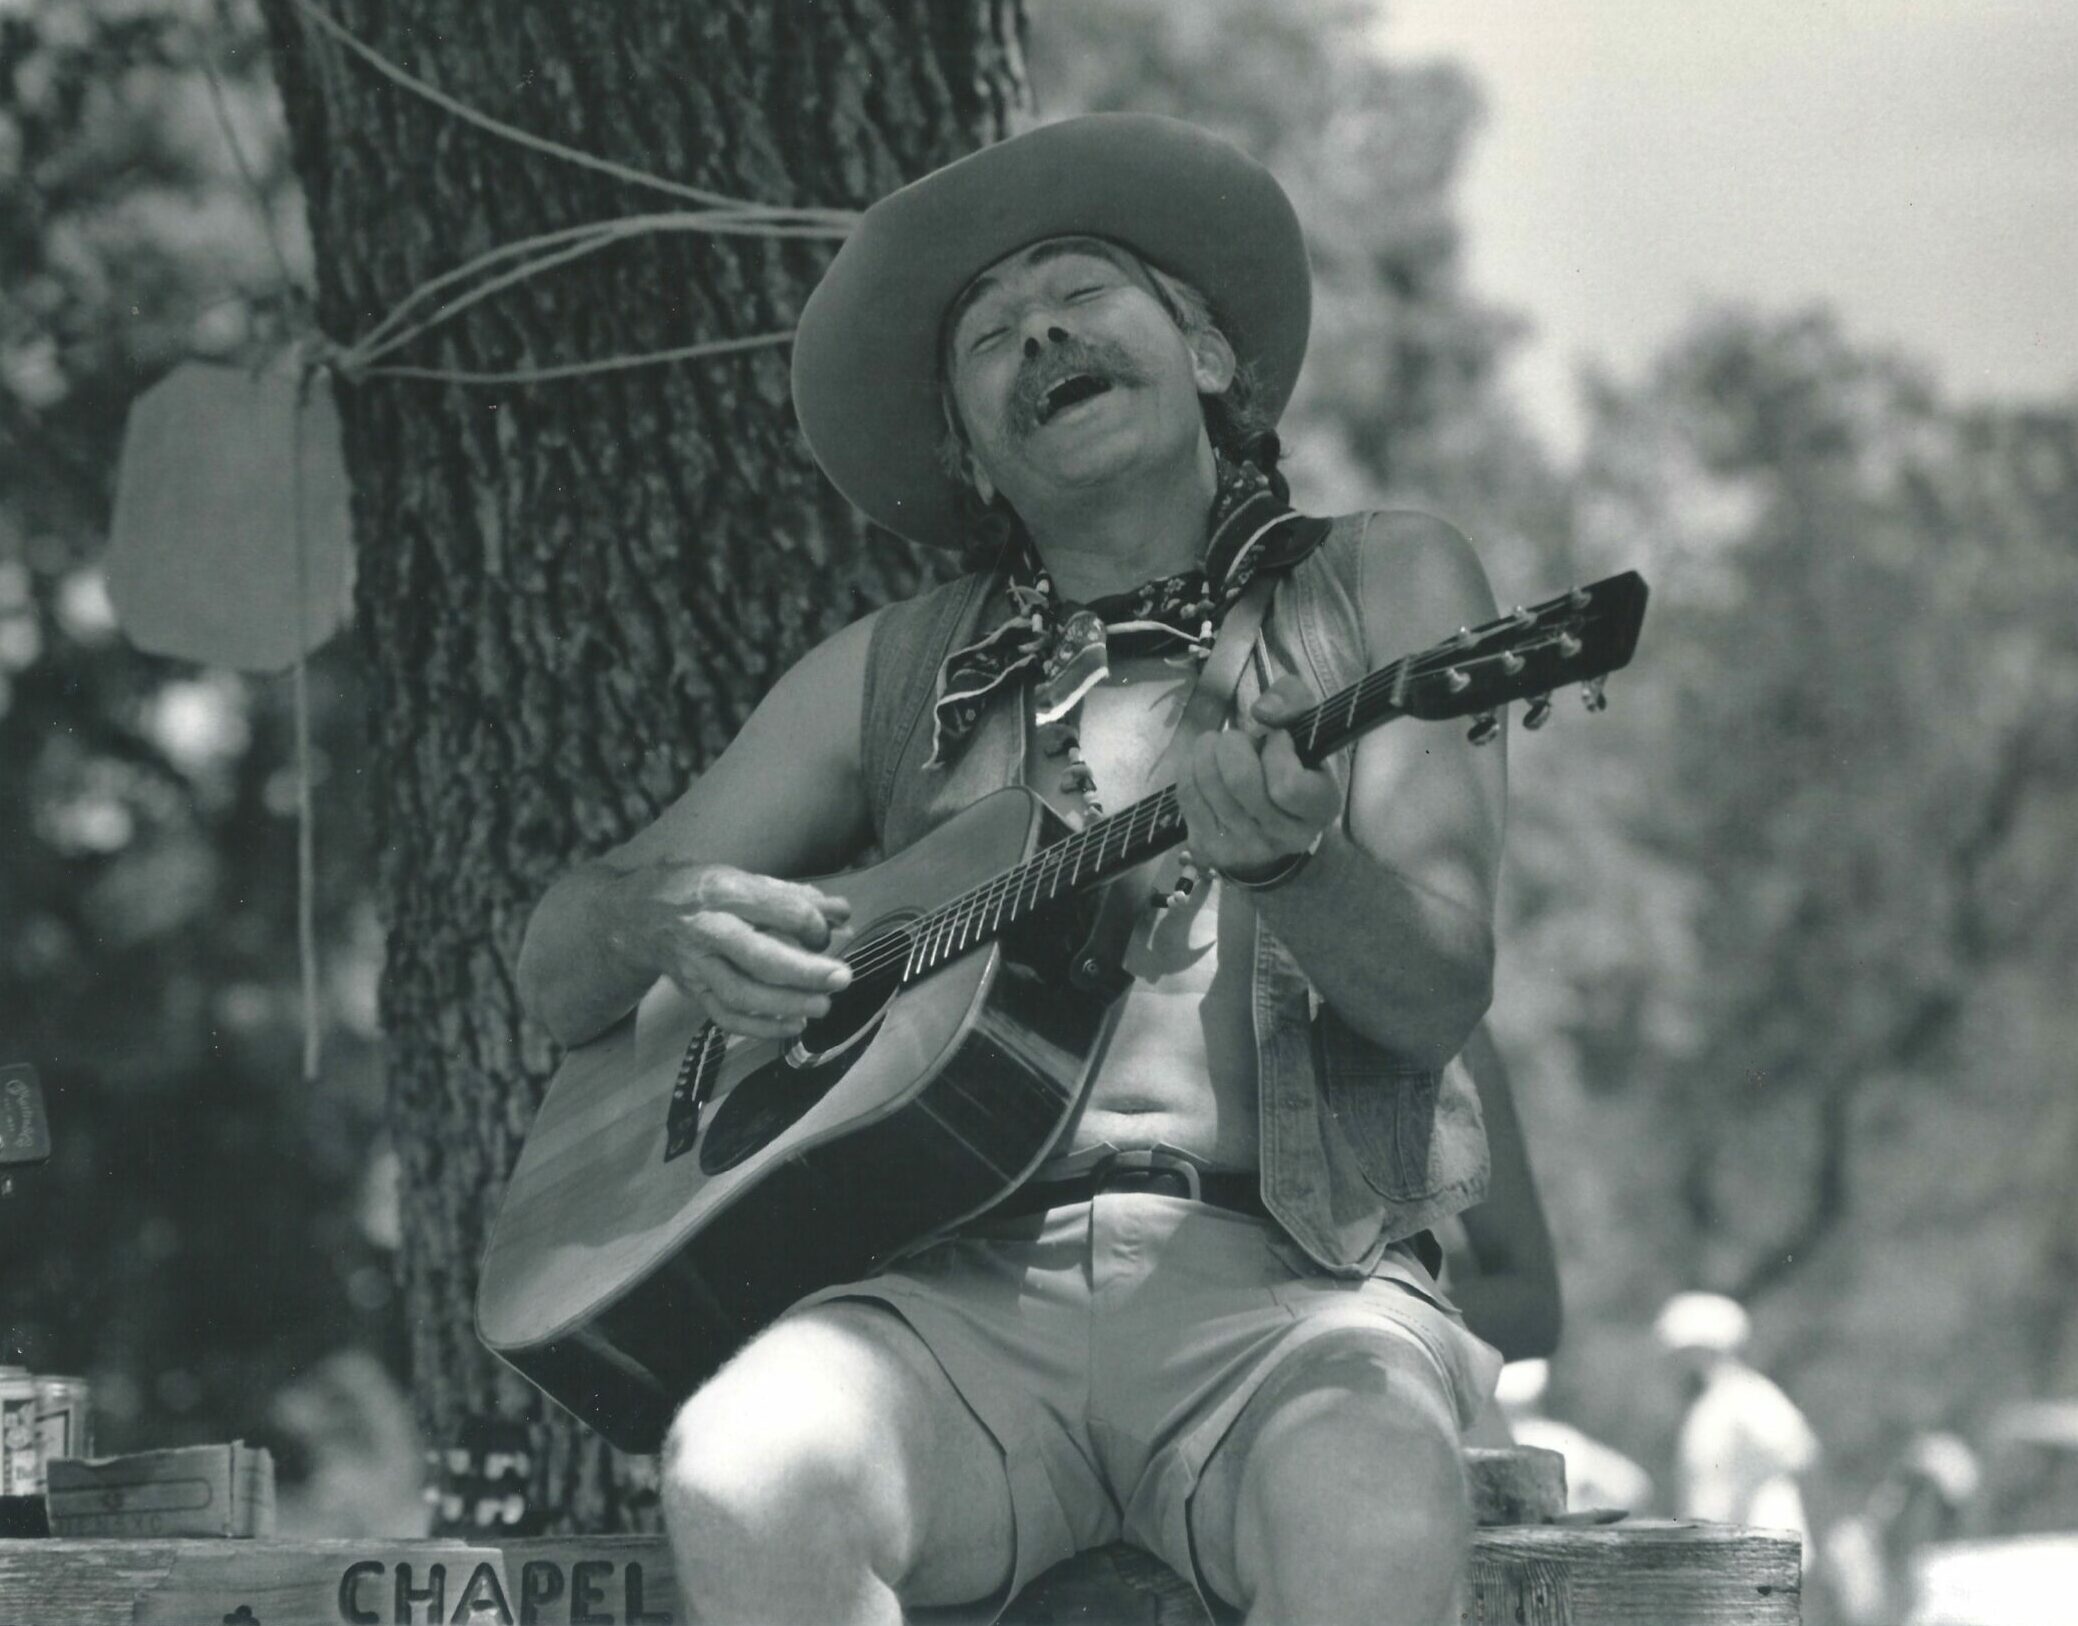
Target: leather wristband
pixel 1276 878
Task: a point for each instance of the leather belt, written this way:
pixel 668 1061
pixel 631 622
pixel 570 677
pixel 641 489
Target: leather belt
pixel 1236 1190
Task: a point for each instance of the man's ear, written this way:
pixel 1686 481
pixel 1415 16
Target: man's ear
pixel 1212 361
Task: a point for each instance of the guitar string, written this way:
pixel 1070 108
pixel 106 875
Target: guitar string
pixel 1067 855
pixel 925 938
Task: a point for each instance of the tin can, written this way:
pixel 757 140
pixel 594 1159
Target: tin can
pixel 64 1418
pixel 21 1467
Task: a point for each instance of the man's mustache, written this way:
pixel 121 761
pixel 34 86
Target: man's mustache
pixel 1104 359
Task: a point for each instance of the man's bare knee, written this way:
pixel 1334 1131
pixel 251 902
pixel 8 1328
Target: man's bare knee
pixel 832 1454
pixel 1342 1493
pixel 787 1461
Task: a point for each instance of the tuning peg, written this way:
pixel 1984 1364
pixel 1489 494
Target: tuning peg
pixel 1568 645
pixel 1537 713
pixel 1579 598
pixel 1512 663
pixel 1458 678
pixel 1591 695
pixel 1485 728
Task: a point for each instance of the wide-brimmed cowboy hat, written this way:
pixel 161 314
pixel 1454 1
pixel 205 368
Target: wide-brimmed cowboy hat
pixel 866 384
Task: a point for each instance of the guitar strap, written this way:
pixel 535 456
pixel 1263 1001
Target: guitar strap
pixel 1099 963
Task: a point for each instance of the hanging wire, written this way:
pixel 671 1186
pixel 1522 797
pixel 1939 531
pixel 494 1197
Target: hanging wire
pixel 840 219
pixel 306 815
pixel 580 369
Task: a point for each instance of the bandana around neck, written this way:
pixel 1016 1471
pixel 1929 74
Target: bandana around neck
pixel 1067 647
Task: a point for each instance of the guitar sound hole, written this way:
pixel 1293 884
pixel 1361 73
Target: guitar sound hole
pixel 766 1103
pixel 856 1010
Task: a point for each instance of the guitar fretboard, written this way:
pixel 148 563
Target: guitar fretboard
pixel 1581 635
pixel 1107 847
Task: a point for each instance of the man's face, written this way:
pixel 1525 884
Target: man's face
pixel 1067 371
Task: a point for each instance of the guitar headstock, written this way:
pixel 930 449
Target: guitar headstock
pixel 1578 637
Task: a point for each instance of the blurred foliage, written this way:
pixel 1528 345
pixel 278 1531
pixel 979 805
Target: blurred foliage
pixel 1788 939
pixel 208 1227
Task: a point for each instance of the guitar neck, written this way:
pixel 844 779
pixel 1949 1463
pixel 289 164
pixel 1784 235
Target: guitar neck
pixel 1107 847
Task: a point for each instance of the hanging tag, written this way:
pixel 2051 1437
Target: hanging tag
pixel 202 550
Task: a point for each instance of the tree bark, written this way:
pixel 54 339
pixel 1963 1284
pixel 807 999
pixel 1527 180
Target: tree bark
pixel 570 594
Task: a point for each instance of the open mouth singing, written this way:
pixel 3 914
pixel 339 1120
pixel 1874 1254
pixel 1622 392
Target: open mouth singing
pixel 1071 391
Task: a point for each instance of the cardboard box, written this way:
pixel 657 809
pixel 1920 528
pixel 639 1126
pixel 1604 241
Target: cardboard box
pixel 198 1490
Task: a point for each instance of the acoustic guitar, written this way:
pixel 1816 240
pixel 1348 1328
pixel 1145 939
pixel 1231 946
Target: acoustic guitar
pixel 680 1187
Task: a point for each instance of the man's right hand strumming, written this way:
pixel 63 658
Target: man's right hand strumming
pixel 693 895
pixel 756 952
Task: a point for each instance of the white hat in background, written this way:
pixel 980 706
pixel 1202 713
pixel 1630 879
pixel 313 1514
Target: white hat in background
pixel 1707 1321
pixel 1523 1383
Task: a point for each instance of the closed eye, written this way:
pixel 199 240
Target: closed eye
pixel 983 340
pixel 1084 293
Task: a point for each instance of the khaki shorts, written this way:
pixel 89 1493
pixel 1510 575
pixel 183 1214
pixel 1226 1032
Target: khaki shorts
pixel 1109 1345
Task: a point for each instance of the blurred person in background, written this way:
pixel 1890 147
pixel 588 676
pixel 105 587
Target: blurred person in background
pixel 1868 1554
pixel 1598 1476
pixel 1744 1448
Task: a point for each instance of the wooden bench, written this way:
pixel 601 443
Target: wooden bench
pixel 1526 1569
pixel 1645 1573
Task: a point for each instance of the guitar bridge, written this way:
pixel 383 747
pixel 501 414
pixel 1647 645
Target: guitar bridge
pixel 689 1091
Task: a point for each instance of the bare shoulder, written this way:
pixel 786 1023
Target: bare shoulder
pixel 834 667
pixel 1422 580
pixel 787 795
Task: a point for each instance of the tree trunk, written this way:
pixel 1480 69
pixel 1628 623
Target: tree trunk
pixel 570 594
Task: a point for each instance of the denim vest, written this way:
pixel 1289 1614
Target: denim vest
pixel 1358 1151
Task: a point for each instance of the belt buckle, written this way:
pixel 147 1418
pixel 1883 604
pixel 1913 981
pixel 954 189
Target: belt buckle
pixel 1152 1160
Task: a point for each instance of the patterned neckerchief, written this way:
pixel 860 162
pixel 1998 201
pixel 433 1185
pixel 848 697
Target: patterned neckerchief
pixel 1068 646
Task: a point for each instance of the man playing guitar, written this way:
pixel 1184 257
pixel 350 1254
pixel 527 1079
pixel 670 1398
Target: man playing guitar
pixel 1209 1323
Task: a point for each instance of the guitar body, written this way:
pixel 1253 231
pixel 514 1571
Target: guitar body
pixel 677 1193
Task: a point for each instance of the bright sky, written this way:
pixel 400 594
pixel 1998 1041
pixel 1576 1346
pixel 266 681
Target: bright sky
pixel 1913 162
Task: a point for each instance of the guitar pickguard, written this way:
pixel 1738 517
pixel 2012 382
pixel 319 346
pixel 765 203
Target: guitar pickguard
pixel 760 1106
